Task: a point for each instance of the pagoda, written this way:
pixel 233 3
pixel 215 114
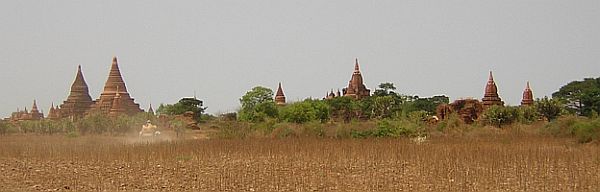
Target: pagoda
pixel 279 96
pixel 117 108
pixel 356 89
pixel 115 89
pixel 78 102
pixel 490 96
pixel 35 114
pixel 54 112
pixel 527 96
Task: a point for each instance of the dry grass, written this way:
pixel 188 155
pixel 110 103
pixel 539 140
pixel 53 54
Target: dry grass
pixel 483 163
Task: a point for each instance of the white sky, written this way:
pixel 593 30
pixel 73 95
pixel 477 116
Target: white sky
pixel 221 49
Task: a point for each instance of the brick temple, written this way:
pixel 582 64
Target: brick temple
pixel 527 96
pixel 491 97
pixel 356 88
pixel 279 96
pixel 21 115
pixel 114 100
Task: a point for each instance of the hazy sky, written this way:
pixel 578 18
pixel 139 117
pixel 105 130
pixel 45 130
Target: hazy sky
pixel 221 49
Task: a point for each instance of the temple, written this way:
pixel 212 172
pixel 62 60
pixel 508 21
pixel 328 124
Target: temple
pixel 21 115
pixel 78 102
pixel 54 112
pixel 356 89
pixel 527 96
pixel 115 89
pixel 490 96
pixel 279 96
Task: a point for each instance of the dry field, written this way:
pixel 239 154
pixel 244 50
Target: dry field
pixel 494 163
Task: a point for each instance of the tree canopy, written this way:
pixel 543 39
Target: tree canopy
pixel 184 105
pixel 581 97
pixel 257 104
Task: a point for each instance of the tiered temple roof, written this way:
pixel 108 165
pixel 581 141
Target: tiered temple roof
pixel 279 96
pixel 356 89
pixel 115 88
pixel 527 96
pixel 78 102
pixel 490 96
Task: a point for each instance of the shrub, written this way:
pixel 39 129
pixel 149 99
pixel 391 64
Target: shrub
pixel 499 115
pixel 587 131
pixel 298 112
pixel 582 128
pixel 549 108
pixel 528 114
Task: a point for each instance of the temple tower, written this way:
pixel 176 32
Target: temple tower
pixel 356 89
pixel 527 96
pixel 490 96
pixel 108 95
pixel 78 101
pixel 53 113
pixel 279 96
pixel 35 114
pixel 117 107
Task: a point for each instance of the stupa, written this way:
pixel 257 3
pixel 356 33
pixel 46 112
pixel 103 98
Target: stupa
pixel 527 96
pixel 279 96
pixel 78 102
pixel 490 96
pixel 115 84
pixel 356 89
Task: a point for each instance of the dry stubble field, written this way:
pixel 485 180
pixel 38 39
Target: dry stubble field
pixel 494 163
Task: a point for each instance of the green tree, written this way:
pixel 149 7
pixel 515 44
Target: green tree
pixel 257 104
pixel 549 108
pixel 383 106
pixel 582 97
pixel 385 89
pixel 428 104
pixel 184 105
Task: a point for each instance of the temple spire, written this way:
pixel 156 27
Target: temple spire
pixel 356 67
pixel 490 96
pixel 527 96
pixel 79 100
pixel 34 107
pixel 279 96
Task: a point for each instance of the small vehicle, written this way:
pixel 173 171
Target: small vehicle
pixel 149 130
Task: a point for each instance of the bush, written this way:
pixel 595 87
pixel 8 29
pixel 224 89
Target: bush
pixel 549 108
pixel 587 131
pixel 499 115
pixel 392 128
pixel 582 128
pixel 7 128
pixel 528 114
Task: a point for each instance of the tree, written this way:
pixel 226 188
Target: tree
pixel 425 104
pixel 582 97
pixel 184 105
pixel 548 108
pixel 382 106
pixel 257 104
pixel 385 89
